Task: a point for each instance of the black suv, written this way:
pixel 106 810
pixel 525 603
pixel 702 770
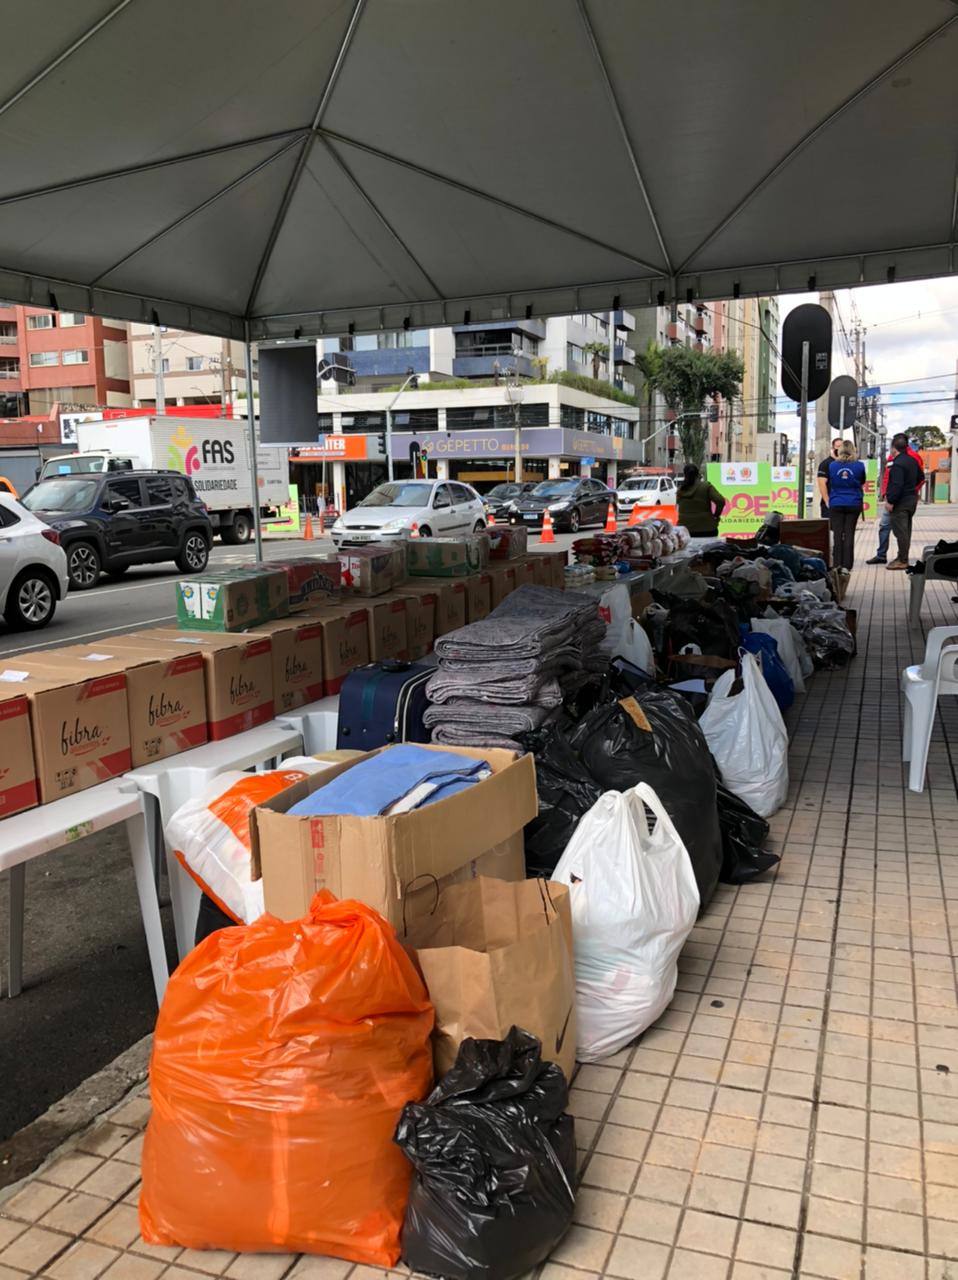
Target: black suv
pixel 108 522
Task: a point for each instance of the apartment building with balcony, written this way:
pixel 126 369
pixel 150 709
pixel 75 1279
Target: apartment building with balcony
pixel 196 369
pixel 60 357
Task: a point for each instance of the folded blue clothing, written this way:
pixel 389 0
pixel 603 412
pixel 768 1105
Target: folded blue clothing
pixel 402 778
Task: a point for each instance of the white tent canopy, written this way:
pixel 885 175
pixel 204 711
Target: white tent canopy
pixel 299 166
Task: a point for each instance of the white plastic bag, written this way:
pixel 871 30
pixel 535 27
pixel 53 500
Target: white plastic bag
pixel 209 834
pixel 634 901
pixel 747 736
pixel 615 610
pixel 783 633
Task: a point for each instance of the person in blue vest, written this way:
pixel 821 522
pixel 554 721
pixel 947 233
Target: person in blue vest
pixel 846 498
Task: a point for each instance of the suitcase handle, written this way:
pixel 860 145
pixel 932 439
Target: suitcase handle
pixel 395 664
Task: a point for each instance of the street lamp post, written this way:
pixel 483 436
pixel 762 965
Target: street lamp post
pixel 411 377
pixel 514 392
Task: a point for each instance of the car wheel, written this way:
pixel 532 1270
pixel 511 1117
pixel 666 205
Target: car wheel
pixel 195 554
pixel 32 601
pixel 83 566
pixel 478 526
pixel 425 531
pixel 574 520
pixel 240 531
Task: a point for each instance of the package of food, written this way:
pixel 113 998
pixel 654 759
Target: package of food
pixel 231 601
pixel 310 580
pixel 508 541
pixel 447 557
pixel 372 571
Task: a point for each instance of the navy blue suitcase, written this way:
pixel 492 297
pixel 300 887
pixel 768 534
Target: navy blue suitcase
pixel 382 704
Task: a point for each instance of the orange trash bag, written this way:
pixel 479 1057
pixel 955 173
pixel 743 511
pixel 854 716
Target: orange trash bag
pixel 283 1055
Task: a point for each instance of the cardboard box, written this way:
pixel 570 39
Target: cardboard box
pixel 388 634
pixel 507 541
pixel 541 569
pixel 525 572
pixel 239 675
pixel 502 580
pixel 166 694
pixel 478 597
pixel 379 861
pixel 81 731
pixel 297 660
pixel 447 557
pixel 372 571
pixel 420 618
pixel 345 642
pixel 18 773
pixel 450 595
pixel 231 601
pixel 310 580
pixel 556 561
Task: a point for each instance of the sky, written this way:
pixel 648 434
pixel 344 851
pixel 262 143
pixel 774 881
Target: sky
pixel 911 343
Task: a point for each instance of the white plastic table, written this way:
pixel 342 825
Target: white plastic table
pixel 28 835
pixel 916 583
pixel 173 781
pixel 317 722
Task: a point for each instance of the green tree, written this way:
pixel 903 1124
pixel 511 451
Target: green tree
pixel 598 351
pixel 649 364
pixel 541 366
pixel 687 378
pixel 929 437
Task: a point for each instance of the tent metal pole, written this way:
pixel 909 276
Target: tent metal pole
pixel 803 432
pixel 251 420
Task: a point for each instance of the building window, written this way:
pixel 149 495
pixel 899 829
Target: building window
pixel 76 357
pixel 9 368
pixel 166 364
pixel 194 363
pixel 39 359
pixel 575 353
pixel 39 322
pixel 71 319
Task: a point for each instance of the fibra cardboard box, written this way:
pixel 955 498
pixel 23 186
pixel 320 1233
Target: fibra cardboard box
pixel 18 772
pixel 388 630
pixel 420 618
pixel 233 601
pixel 345 642
pixel 395 863
pixel 502 581
pixel 450 601
pixel 297 660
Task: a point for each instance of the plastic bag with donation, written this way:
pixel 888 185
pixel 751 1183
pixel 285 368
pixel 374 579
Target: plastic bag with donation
pixel 494 1154
pixel 785 635
pixel 746 735
pixel 634 902
pixel 209 834
pixel 283 1055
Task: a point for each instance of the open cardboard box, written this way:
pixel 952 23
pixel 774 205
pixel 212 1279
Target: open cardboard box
pixel 395 864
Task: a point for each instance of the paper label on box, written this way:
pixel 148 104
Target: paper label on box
pixel 209 595
pixel 97 657
pixel 189 594
pixel 14 677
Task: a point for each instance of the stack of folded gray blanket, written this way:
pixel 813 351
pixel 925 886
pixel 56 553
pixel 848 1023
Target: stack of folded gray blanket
pixel 509 673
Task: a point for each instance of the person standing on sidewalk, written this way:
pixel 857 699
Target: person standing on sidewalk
pixel 700 504
pixel 884 524
pixel 823 477
pixel 901 497
pixel 846 497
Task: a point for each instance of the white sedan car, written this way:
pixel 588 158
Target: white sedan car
pixel 33 567
pixel 438 508
pixel 647 491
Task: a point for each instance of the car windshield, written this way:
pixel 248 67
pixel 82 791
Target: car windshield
pixel 399 495
pixel 61 495
pixel 555 488
pixel 502 491
pixel 632 485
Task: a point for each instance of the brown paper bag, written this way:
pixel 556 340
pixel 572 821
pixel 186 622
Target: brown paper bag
pixel 494 954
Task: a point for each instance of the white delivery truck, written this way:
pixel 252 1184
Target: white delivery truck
pixel 213 452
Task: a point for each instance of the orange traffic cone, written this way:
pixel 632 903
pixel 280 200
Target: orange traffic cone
pixel 490 520
pixel 634 517
pixel 611 525
pixel 308 528
pixel 547 534
pixel 414 530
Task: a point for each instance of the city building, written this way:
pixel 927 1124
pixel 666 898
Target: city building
pixel 535 348
pixel 466 434
pixel 60 357
pixel 196 369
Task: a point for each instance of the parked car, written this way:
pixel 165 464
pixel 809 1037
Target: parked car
pixel 33 567
pixel 572 504
pixel 111 521
pixel 647 491
pixel 496 501
pixel 438 508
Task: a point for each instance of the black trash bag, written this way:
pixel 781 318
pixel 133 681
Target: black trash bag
pixel 672 756
pixel 771 531
pixel 494 1159
pixel 566 793
pixel 743 834
pixel 210 917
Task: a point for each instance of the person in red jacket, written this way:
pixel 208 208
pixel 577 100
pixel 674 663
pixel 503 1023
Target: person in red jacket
pixel 884 525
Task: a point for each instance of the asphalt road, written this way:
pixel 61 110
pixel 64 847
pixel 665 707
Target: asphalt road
pixel 87 992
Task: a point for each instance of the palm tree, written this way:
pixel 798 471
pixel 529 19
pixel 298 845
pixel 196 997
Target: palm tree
pixel 598 351
pixel 649 364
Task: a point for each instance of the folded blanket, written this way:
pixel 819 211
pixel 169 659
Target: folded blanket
pixel 454 736
pixel 403 778
pixel 486 717
pixel 532 689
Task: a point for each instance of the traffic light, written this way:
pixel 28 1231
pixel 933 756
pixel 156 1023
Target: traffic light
pixel 381 437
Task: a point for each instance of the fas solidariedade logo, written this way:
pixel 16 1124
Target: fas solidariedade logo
pixel 184 456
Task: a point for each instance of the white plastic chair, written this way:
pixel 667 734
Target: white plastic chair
pixel 317 722
pixel 923 686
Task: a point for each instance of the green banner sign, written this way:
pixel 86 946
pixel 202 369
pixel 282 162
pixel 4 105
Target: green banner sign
pixel 752 490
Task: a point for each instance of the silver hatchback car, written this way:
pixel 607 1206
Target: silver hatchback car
pixel 438 508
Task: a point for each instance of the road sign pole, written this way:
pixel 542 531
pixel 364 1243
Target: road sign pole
pixel 803 433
